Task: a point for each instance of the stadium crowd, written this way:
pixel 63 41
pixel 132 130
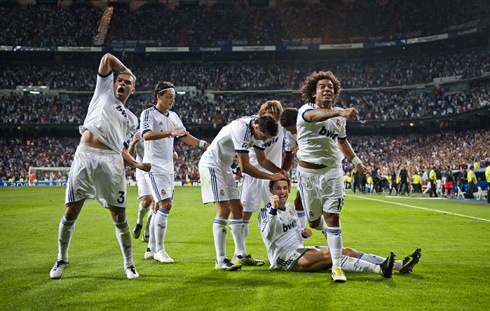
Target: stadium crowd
pixel 222 109
pixel 48 25
pixel 235 22
pixel 262 76
pixel 417 153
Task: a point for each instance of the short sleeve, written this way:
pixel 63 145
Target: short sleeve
pixel 240 135
pixel 146 121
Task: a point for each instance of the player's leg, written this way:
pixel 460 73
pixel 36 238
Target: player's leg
pixel 143 208
pixel 65 233
pixel 162 188
pixel 123 236
pixel 150 250
pixel 213 190
pixel 298 206
pixel 146 233
pixel 80 186
pixel 250 198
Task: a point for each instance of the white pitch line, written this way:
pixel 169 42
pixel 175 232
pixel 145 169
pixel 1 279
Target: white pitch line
pixel 423 208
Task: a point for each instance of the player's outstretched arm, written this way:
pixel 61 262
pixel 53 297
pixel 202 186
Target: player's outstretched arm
pixel 109 62
pixel 191 140
pixel 319 115
pixel 155 135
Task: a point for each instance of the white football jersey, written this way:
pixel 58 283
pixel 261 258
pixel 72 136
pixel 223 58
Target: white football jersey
pixel 280 230
pixel 290 141
pixel 317 141
pixel 139 149
pixel 234 138
pixel 159 153
pixel 107 118
pixel 273 150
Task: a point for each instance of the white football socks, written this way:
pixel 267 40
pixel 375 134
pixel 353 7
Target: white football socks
pixel 160 229
pixel 151 239
pixel 219 233
pixel 334 238
pixel 141 213
pixel 236 228
pixel 350 264
pixel 123 236
pixel 65 232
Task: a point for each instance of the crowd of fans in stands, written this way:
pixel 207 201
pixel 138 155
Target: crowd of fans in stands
pixel 262 76
pixel 416 153
pixel 222 109
pixel 237 23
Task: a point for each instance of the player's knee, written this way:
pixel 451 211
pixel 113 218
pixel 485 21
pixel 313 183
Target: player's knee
pixel 350 252
pixel 332 220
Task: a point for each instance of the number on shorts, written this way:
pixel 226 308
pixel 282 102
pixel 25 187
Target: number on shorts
pixel 121 197
pixel 341 203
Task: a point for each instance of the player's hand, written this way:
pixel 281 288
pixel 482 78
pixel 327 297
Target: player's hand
pixel 175 156
pixel 306 232
pixel 361 169
pixel 280 176
pixel 143 166
pixel 294 150
pixel 349 113
pixel 136 137
pixel 178 133
pixel 274 201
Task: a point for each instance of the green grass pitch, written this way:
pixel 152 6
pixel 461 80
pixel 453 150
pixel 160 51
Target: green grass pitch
pixel 453 273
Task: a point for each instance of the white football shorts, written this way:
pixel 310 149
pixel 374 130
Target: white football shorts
pixel 143 185
pixel 97 173
pixel 217 184
pixel 287 260
pixel 161 185
pixel 321 191
pixel 254 190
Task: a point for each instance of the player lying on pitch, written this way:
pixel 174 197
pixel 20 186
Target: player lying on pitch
pixel 283 237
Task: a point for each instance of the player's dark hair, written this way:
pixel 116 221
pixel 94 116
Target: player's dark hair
pixel 273 182
pixel 267 125
pixel 161 88
pixel 309 86
pixel 289 116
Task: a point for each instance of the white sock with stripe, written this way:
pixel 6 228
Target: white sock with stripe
pixel 65 232
pixel 219 233
pixel 351 264
pixel 377 260
pixel 123 236
pixel 236 228
pixel 334 238
pixel 245 228
pixel 141 214
pixel 151 239
pixel 160 229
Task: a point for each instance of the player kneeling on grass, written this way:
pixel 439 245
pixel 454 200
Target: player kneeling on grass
pixel 283 237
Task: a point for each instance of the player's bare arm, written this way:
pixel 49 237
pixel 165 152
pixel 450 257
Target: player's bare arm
pixel 155 135
pixel 266 163
pixel 191 140
pixel 132 149
pixel 288 161
pixel 319 115
pixel 109 62
pixel 248 168
pixel 129 160
pixel 346 149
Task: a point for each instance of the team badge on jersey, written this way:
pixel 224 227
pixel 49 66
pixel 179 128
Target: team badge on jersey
pixel 338 122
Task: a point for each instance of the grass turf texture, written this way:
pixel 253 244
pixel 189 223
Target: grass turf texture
pixel 452 274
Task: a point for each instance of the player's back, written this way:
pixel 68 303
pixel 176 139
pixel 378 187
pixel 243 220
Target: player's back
pixel 234 138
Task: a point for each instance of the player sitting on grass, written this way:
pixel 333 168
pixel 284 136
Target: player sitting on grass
pixel 283 237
